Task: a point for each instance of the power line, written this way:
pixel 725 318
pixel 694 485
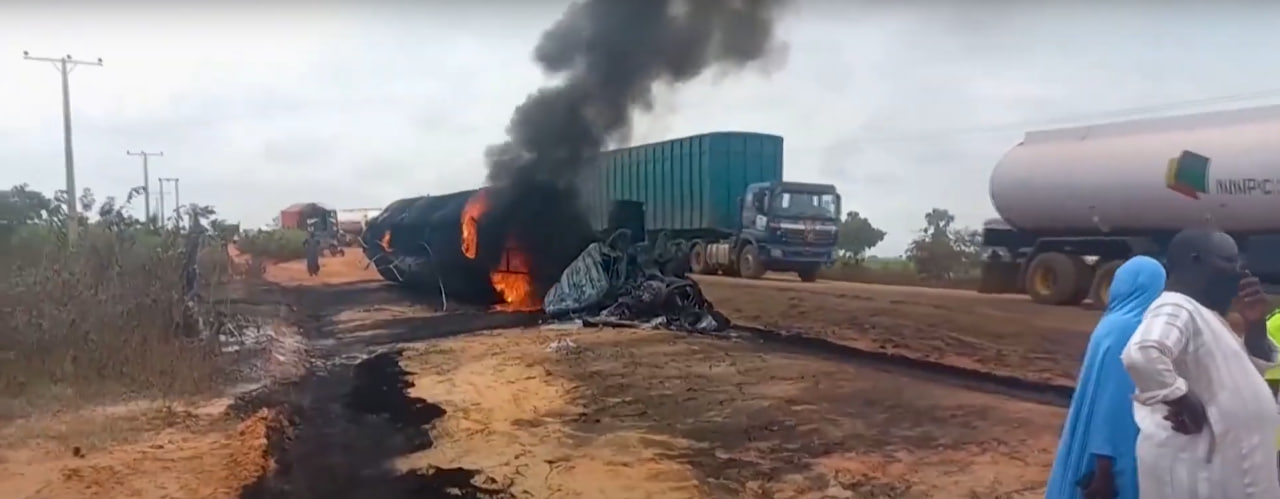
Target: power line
pixel 65 65
pixel 146 177
pixel 1137 112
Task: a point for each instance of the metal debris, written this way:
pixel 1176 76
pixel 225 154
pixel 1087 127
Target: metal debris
pixel 617 282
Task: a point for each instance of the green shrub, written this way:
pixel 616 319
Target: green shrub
pixel 275 245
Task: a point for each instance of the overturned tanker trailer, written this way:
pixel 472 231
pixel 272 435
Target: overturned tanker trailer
pixel 415 242
pixel 474 246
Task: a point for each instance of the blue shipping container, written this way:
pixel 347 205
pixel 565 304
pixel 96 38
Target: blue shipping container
pixel 690 183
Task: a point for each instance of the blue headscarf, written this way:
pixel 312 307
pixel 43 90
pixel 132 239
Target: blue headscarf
pixel 1100 422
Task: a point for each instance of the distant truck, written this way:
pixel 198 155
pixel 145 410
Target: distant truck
pixel 315 217
pixel 1074 203
pixel 724 194
pixel 351 223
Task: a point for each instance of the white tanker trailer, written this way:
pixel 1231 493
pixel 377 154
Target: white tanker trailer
pixel 1076 202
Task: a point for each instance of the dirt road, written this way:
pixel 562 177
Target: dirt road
pixel 1002 334
pixel 625 414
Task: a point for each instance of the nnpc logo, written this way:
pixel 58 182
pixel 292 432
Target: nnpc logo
pixel 1188 174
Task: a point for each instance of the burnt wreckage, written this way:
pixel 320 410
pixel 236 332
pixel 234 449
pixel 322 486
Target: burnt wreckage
pixel 620 276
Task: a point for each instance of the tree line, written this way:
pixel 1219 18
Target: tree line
pixel 940 251
pixel 22 207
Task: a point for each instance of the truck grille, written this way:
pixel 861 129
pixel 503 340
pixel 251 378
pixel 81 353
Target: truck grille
pixel 808 237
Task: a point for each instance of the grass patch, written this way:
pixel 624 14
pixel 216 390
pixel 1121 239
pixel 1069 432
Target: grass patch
pixel 893 272
pixel 106 317
pixel 274 245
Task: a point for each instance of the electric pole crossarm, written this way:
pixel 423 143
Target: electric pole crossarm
pixel 58 60
pixel 64 65
pixel 146 177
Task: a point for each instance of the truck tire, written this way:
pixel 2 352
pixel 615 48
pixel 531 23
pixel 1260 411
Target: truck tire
pixel 1100 287
pixel 749 264
pixel 809 274
pixel 1084 279
pixel 1053 279
pixel 698 259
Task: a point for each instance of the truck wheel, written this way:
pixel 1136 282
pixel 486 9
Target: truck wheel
pixel 749 262
pixel 698 259
pixel 809 274
pixel 1100 288
pixel 1053 279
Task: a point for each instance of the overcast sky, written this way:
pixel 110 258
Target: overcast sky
pixel 356 104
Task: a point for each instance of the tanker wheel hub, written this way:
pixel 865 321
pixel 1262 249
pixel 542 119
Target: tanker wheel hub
pixel 1045 280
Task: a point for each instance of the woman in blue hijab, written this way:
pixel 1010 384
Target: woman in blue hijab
pixel 1096 453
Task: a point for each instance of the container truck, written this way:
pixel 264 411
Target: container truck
pixel 1074 203
pixel 317 218
pixel 724 194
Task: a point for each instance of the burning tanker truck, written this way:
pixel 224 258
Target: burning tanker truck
pixel 434 243
pixel 541 230
pixel 718 204
pixel 465 248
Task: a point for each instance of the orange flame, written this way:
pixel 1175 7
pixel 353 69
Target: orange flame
pixel 511 279
pixel 386 241
pixel 476 206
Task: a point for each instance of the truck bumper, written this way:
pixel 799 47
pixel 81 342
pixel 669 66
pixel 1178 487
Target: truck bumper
pixel 792 258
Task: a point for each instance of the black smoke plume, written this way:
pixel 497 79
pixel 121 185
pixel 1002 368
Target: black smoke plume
pixel 608 56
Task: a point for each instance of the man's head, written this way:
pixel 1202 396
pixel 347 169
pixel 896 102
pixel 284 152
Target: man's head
pixel 1205 265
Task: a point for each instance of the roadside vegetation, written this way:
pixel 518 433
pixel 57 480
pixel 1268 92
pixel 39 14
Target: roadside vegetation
pixel 276 245
pixel 114 312
pixel 941 255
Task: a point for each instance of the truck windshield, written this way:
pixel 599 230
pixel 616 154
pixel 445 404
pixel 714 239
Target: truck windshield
pixel 806 204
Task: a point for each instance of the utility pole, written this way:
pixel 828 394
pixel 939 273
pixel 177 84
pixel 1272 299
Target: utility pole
pixel 65 65
pixel 146 177
pixel 176 206
pixel 160 214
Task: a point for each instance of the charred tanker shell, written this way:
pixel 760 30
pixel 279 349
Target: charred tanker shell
pixel 481 246
pixel 415 242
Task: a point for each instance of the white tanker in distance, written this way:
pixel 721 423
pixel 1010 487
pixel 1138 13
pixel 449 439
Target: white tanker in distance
pixel 1076 202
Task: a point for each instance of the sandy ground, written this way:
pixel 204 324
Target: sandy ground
pixel 138 451
pixel 625 414
pixel 1003 334
pixel 346 269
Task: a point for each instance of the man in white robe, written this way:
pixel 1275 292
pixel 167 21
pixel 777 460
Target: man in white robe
pixel 1206 418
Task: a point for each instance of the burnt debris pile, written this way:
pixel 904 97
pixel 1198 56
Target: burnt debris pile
pixel 619 283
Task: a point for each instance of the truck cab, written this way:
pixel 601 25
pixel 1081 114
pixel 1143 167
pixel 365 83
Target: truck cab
pixel 790 227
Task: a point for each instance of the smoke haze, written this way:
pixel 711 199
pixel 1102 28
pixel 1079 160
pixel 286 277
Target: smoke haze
pixel 607 56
